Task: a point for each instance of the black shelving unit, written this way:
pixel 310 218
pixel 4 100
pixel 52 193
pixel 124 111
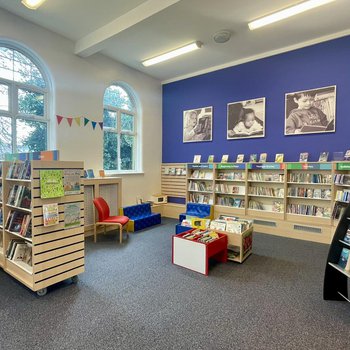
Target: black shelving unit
pixel 336 278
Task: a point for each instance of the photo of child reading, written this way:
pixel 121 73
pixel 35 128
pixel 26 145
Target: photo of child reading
pixel 197 124
pixel 245 119
pixel 310 111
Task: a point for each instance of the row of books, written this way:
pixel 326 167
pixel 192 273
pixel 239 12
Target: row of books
pixel 19 171
pixel 266 191
pixel 19 251
pixel 20 196
pixel 200 186
pixel 206 236
pixel 342 179
pixel 225 188
pixel 309 192
pixel 338 210
pixel 200 174
pixel 200 198
pixel 259 176
pixel 343 196
pixel 230 224
pixel 239 176
pixel 311 178
pixel 230 202
pixel 276 207
pixel 19 222
pixel 344 259
pixel 174 171
pixel 310 210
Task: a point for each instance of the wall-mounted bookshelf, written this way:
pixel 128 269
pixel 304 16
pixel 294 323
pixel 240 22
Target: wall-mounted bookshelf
pixel 35 254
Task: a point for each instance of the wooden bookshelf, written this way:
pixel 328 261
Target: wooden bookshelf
pixel 57 251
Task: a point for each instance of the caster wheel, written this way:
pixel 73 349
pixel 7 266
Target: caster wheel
pixel 74 279
pixel 41 292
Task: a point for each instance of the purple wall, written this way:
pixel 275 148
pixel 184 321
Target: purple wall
pixel 316 66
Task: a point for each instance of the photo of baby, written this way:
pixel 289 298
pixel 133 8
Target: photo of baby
pixel 246 119
pixel 310 111
pixel 197 124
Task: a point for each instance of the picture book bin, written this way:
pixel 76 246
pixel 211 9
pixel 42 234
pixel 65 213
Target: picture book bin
pixel 140 216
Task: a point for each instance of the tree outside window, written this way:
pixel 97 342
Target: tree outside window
pixel 119 125
pixel 23 106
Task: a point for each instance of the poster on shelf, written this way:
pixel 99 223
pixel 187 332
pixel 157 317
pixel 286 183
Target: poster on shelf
pixel 51 183
pixel 71 181
pixel 50 214
pixel 71 215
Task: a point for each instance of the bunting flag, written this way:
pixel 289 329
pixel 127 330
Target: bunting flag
pixel 77 120
pixel 59 119
pixel 70 120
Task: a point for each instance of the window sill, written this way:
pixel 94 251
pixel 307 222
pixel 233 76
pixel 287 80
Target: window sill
pixel 114 174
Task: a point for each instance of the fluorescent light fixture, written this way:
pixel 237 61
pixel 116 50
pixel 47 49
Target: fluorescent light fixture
pixel 171 54
pixel 32 4
pixel 288 12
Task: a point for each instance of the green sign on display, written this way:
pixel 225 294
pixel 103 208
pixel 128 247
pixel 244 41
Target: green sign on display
pixel 309 166
pixel 343 166
pixel 240 166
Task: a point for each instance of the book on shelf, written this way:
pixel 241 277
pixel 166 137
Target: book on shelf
pixel 19 170
pixel 303 157
pixel 50 214
pixel 197 158
pixel 338 210
pixel 71 215
pixel 347 236
pixel 338 156
pixel 71 181
pixel 224 158
pixel 101 173
pixel 240 158
pixel 211 158
pixel 19 251
pixel 218 224
pixel 323 157
pixel 263 158
pixel 166 170
pixel 253 158
pixel 344 257
pixel 347 155
pixel 51 183
pixel 279 158
pixel 90 174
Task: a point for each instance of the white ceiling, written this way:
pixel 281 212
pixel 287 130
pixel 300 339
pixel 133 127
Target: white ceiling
pixel 130 31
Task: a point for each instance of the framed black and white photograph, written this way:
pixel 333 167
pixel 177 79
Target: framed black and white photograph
pixel 197 124
pixel 310 111
pixel 246 119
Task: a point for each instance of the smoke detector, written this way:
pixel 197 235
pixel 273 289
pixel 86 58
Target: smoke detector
pixel 222 36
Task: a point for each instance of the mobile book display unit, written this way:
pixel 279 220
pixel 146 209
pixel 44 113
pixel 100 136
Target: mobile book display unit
pixel 37 255
pixel 336 276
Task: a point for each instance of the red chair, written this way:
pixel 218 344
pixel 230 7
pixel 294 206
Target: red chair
pixel 105 219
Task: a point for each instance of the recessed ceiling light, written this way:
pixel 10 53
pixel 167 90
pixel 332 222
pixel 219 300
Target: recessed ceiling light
pixel 32 4
pixel 288 12
pixel 174 53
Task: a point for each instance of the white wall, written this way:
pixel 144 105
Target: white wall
pixel 79 85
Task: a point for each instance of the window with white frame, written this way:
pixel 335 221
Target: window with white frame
pixel 120 132
pixel 24 120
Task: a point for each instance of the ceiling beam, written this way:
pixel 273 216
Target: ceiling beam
pixel 95 41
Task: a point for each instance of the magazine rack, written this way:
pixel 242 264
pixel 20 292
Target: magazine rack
pixel 57 252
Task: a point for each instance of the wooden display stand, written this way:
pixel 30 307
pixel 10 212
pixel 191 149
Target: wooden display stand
pixel 241 244
pixel 195 255
pixel 57 251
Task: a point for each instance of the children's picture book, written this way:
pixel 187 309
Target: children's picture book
pixel 211 158
pixel 90 174
pixel 344 257
pixel 71 181
pixel 303 157
pixel 51 183
pixel 253 157
pixel 197 158
pixel 279 158
pixel 200 223
pixel 240 158
pixel 263 158
pixel 101 173
pixel 323 157
pixel 224 158
pixel 347 155
pixel 50 214
pixel 71 215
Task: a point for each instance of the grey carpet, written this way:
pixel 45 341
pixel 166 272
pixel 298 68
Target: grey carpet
pixel 132 297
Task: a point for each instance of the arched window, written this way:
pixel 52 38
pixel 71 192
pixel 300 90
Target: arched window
pixel 120 129
pixel 24 119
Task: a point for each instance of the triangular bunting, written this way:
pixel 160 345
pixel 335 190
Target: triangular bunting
pixel 101 125
pixel 93 124
pixel 59 119
pixel 70 120
pixel 86 121
pixel 77 120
